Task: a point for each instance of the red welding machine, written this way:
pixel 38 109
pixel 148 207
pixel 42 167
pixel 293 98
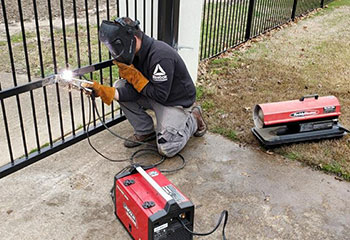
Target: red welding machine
pixel 150 206
pixel 309 118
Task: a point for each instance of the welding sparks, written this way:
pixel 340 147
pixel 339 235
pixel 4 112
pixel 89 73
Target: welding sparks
pixel 68 78
pixel 67 75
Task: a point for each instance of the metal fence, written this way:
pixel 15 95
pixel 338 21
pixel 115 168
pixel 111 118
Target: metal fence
pixel 39 120
pixel 43 37
pixel 228 23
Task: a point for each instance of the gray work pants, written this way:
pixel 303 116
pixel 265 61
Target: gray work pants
pixel 175 125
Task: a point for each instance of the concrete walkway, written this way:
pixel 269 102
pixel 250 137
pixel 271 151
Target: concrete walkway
pixel 66 196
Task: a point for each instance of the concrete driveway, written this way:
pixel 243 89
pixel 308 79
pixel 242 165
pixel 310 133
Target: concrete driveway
pixel 66 196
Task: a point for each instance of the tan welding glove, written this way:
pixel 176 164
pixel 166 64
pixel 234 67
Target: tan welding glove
pixel 132 75
pixel 104 92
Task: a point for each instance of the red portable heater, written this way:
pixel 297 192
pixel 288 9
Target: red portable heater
pixel 149 206
pixel 309 118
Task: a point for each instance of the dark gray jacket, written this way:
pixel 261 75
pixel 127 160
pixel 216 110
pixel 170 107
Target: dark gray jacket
pixel 170 83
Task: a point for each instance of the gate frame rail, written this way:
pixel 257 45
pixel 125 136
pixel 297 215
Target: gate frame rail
pixel 22 162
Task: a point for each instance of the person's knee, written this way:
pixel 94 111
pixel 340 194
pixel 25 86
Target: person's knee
pixel 119 84
pixel 130 94
pixel 169 149
pixel 170 142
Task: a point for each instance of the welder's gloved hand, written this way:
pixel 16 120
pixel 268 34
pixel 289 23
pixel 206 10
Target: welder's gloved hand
pixel 132 75
pixel 104 92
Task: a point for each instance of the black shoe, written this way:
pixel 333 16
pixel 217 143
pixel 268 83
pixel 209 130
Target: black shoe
pixel 134 139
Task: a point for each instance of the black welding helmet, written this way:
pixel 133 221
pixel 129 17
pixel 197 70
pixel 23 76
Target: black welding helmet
pixel 118 36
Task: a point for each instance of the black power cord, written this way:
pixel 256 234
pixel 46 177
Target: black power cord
pixel 344 129
pixel 137 153
pixel 224 215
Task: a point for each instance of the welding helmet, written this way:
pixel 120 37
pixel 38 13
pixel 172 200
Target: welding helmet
pixel 118 36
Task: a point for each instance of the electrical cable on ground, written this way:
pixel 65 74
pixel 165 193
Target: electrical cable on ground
pixel 137 153
pixel 224 215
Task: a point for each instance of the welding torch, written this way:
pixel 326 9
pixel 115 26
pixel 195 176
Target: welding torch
pixel 67 78
pixel 93 89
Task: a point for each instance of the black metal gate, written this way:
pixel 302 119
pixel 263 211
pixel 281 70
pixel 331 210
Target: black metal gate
pixel 228 23
pixel 41 38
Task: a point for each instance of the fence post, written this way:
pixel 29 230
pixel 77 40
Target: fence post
pixel 322 3
pixel 250 18
pixel 168 21
pixel 190 34
pixel 294 9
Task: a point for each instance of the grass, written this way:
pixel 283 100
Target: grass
pixel 309 57
pixel 199 93
pixel 208 104
pixel 334 5
pixel 220 61
pixel 292 155
pixel 18 38
pixel 35 149
pixel 335 168
pixel 229 133
pixel 332 167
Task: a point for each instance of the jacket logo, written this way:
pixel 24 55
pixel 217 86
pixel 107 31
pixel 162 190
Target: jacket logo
pixel 159 75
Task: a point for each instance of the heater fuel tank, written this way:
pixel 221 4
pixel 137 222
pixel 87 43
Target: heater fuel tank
pixel 309 118
pixel 307 108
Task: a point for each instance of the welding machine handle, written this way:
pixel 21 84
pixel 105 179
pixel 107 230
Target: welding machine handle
pixel 154 184
pixel 309 96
